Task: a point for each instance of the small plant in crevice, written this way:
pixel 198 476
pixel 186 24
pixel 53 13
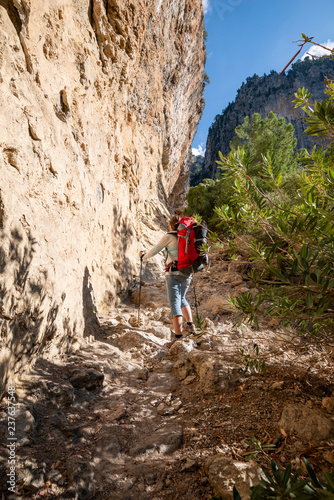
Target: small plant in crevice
pixel 258 448
pixel 201 325
pixel 251 361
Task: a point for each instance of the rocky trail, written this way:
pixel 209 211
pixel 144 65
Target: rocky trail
pixel 122 417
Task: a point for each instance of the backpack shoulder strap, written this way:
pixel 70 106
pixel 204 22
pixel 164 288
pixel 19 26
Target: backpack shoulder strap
pixel 166 251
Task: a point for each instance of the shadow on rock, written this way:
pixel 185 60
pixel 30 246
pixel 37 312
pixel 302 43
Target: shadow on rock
pixel 28 315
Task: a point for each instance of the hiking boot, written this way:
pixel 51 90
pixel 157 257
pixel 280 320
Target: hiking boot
pixel 175 339
pixel 189 329
pixel 172 342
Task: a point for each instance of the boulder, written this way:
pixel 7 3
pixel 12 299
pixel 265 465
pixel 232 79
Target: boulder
pixel 224 473
pixel 310 424
pixel 183 369
pixel 178 353
pixel 214 373
pixel 180 350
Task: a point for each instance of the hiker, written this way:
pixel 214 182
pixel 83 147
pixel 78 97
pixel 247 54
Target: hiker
pixel 177 282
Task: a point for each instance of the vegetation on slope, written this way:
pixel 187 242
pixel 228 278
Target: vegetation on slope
pixel 257 137
pixel 289 211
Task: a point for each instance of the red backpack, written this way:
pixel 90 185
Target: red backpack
pixel 187 248
pixel 191 237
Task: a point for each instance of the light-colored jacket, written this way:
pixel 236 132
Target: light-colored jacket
pixel 169 241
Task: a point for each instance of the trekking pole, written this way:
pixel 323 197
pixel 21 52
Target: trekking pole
pixel 195 299
pixel 141 266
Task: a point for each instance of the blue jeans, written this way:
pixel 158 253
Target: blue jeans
pixel 177 287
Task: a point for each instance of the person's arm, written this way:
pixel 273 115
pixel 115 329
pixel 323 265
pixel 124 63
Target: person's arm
pixel 157 248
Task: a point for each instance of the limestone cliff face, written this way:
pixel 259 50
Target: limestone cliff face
pixel 197 172
pixel 262 95
pixel 100 100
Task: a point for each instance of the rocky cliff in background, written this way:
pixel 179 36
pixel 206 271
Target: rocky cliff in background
pixel 262 95
pixel 197 163
pixel 99 105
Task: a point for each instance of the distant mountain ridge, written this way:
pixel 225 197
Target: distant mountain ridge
pixel 262 95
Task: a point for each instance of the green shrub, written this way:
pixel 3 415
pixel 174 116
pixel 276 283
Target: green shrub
pixel 296 242
pixel 270 136
pixel 283 485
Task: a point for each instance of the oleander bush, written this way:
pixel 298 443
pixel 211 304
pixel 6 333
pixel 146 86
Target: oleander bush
pixel 294 242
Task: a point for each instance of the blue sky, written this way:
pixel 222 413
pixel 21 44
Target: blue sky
pixel 254 36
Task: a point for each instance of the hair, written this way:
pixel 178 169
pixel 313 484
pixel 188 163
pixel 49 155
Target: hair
pixel 174 222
